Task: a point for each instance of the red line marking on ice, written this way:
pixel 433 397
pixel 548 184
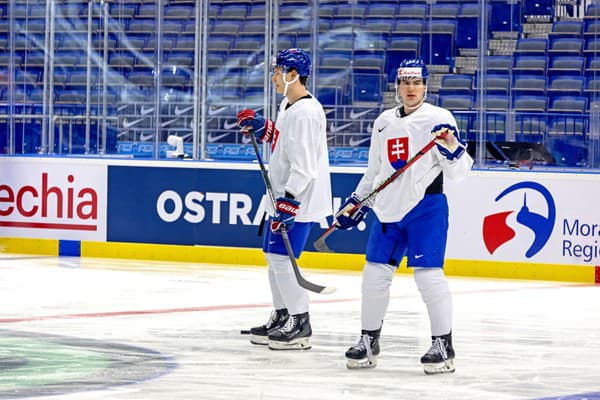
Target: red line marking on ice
pixel 242 306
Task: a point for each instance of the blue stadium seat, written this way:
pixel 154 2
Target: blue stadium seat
pixel 400 48
pixel 180 12
pixel 345 24
pixel 456 84
pixel 467 27
pixel 175 78
pixel 567 29
pixel 591 28
pixel 79 77
pixel 568 104
pixel 592 87
pixel 445 11
pixel 179 59
pixel 286 42
pixel 141 26
pixel 505 16
pixel 337 42
pixel 248 43
pixel 529 85
pixel 496 102
pixel 565 46
pixel 454 102
pixel 408 10
pixel 220 43
pixel 226 27
pixel 566 65
pixel 371 41
pixel 141 77
pixel 496 84
pixel 381 10
pixel 408 26
pixel 530 126
pixel 593 66
pixel 592 11
pixel 252 27
pixel 383 25
pixel 437 44
pixel 531 46
pixel 367 87
pixel 592 46
pixel 530 65
pixel 253 96
pixel 233 11
pixel 498 64
pixel 494 127
pixel 355 11
pixel 566 85
pixel 370 62
pixel 256 11
pixel 332 86
pixel 538 10
pixel 530 103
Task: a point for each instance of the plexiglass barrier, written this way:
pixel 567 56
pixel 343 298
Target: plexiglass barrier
pixel 118 78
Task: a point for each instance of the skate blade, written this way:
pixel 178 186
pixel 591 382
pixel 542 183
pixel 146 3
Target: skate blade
pixel 360 364
pixel 259 340
pixel 440 368
pixel 296 344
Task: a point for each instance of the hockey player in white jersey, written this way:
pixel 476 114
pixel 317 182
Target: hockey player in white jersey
pixel 299 176
pixel 411 215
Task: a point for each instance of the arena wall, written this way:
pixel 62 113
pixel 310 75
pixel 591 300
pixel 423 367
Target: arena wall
pixel 524 224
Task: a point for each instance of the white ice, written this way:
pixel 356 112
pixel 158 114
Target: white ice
pixel 513 339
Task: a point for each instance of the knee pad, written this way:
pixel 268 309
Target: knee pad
pixel 376 279
pixel 432 284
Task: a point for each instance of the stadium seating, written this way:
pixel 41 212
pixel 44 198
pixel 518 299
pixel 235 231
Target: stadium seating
pixel 456 84
pixel 360 43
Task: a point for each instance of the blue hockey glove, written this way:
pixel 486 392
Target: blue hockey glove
pixel 344 219
pixel 450 146
pixel 285 214
pixel 252 122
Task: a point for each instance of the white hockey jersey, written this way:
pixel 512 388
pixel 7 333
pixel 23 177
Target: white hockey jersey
pixel 299 161
pixel 396 139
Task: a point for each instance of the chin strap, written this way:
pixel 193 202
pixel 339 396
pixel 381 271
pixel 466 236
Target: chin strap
pixel 288 83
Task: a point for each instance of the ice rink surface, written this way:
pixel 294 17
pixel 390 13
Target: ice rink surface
pixel 82 329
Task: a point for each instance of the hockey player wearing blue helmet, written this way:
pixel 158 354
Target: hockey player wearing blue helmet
pixel 299 176
pixel 411 215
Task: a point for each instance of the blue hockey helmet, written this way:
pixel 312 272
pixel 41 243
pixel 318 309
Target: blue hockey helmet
pixel 412 68
pixel 293 58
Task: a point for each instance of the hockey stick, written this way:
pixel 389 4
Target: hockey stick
pixel 320 244
pixel 286 240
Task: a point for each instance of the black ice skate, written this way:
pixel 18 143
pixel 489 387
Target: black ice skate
pixel 364 353
pixel 440 356
pixel 294 335
pixel 260 334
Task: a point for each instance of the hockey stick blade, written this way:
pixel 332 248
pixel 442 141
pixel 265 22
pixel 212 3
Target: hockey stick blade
pixel 313 287
pixel 320 244
pixel 286 240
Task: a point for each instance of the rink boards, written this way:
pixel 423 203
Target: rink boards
pixel 513 224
